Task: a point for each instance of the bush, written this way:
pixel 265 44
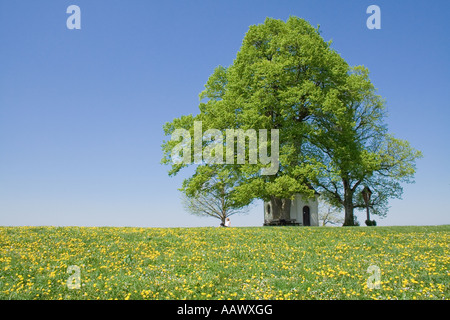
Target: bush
pixel 371 223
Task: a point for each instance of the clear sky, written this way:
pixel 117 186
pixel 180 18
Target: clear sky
pixel 81 111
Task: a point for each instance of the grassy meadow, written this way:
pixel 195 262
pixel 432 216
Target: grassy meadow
pixel 225 263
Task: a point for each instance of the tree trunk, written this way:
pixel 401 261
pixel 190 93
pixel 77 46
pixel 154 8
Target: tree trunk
pixel 349 219
pixel 281 208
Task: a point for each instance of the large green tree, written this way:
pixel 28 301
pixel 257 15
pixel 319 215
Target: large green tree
pixel 286 77
pixel 280 78
pixel 355 150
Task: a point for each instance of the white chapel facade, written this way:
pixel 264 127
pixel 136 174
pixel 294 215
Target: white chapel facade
pixel 304 212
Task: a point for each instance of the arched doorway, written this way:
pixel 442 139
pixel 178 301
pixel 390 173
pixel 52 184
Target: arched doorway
pixel 306 216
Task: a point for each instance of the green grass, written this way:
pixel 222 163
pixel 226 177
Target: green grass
pixel 225 263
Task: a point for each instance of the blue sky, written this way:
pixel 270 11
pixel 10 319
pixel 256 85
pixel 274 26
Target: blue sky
pixel 81 111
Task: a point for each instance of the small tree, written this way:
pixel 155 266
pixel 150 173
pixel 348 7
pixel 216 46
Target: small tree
pixel 329 214
pixel 211 193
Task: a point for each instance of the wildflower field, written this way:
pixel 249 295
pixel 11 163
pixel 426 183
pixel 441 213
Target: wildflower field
pixel 225 263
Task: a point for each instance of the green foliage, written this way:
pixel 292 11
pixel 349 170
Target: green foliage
pixel 284 77
pixel 356 149
pixel 331 120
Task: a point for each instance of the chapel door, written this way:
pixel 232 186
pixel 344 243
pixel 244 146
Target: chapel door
pixel 306 216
